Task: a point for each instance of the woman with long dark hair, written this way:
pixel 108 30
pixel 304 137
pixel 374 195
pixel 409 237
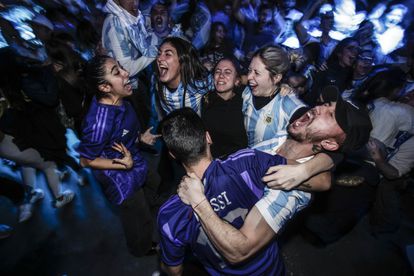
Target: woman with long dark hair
pixel 339 70
pixel 181 77
pixel 108 146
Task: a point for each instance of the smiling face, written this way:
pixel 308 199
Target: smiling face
pixel 168 65
pixel 117 80
pixel 316 125
pixel 260 80
pixel 225 76
pixel 348 54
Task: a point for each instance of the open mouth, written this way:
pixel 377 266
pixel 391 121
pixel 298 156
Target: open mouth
pixel 127 85
pixel 163 70
pixel 158 22
pixel 304 120
pixel 253 86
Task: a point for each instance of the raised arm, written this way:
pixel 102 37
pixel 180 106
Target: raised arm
pixel 114 42
pixel 236 245
pixel 236 12
pixel 305 176
pixel 311 10
pixel 299 27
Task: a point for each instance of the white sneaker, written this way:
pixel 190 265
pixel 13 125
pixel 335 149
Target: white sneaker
pixel 65 197
pixel 37 194
pixel 25 212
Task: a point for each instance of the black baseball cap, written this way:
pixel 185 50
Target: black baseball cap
pixel 351 117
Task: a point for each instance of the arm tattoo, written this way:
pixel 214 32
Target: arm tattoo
pixel 316 148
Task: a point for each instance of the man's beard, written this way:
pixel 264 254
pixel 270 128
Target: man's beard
pixel 298 137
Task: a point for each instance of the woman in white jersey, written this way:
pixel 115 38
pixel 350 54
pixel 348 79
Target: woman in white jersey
pixel 182 78
pixel 266 111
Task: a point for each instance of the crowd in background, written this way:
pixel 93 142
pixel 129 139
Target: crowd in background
pixel 245 66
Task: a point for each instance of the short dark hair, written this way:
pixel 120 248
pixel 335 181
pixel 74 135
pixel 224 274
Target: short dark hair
pixel 185 135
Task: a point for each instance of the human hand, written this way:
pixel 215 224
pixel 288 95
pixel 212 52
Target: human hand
pixel 285 90
pixel 148 138
pixel 375 150
pixel 322 67
pixel 285 177
pixel 127 159
pixel 191 190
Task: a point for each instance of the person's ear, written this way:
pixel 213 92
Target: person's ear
pixel 105 87
pixel 277 78
pixel 208 138
pixel 329 145
pixel 237 82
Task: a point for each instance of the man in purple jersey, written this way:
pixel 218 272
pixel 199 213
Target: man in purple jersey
pixel 232 187
pixel 333 125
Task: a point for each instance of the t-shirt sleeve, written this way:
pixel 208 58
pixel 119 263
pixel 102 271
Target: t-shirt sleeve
pixel 403 160
pixel 277 206
pixel 203 86
pixel 172 223
pixel 96 133
pixel 292 104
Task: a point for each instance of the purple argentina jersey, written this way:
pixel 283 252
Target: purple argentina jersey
pixel 102 127
pixel 233 187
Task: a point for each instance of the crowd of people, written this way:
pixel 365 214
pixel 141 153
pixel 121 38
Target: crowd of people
pixel 229 117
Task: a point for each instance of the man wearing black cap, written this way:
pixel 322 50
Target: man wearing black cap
pixel 334 125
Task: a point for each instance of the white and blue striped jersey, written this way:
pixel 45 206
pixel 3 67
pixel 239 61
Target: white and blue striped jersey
pixel 277 207
pixel 193 95
pixel 116 40
pixel 267 127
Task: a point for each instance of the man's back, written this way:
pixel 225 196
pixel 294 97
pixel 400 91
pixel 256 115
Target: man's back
pixel 233 187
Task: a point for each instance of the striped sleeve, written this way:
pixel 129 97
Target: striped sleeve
pixel 115 40
pixel 277 206
pixel 291 103
pixel 96 133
